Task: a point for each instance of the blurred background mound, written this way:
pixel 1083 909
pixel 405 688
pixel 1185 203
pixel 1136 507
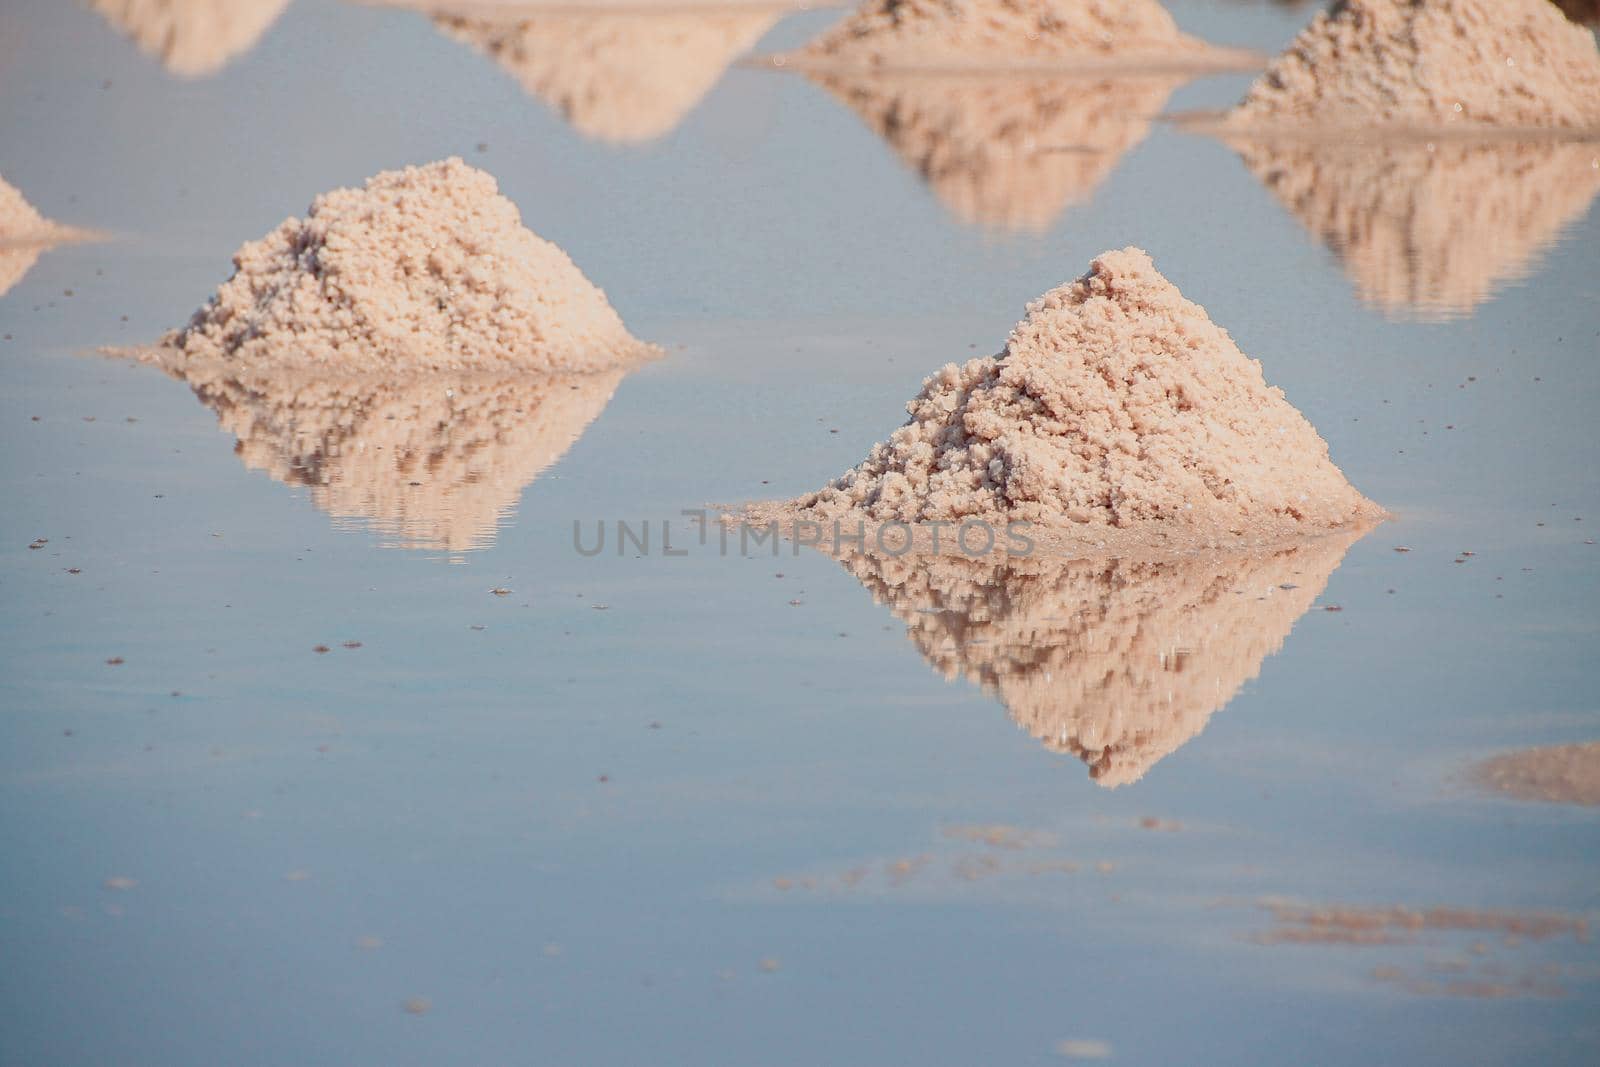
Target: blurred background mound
pixel 622 76
pixel 1118 663
pixel 1431 230
pixel 192 38
pixel 1006 152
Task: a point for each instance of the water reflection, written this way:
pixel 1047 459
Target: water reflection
pixel 25 235
pixel 432 461
pixel 192 38
pixel 1559 774
pixel 1008 152
pixel 621 76
pixel 1117 662
pixel 1431 230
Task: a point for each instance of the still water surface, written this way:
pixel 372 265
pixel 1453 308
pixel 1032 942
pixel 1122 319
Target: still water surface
pixel 725 809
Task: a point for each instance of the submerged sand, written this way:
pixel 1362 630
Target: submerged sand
pixel 1560 774
pixel 1117 662
pixel 947 35
pixel 1431 230
pixel 192 38
pixel 429 461
pixel 622 76
pixel 1366 64
pixel 1117 407
pixel 1006 152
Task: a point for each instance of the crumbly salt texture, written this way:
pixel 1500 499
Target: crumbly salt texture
pixel 1114 661
pixel 1431 63
pixel 1115 403
pixel 964 33
pixel 990 147
pixel 192 38
pixel 426 268
pixel 1430 231
pixel 616 76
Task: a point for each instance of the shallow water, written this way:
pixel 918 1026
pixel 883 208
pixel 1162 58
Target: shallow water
pixel 685 809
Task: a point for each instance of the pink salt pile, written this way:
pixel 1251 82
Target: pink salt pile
pixel 192 38
pixel 1116 403
pixel 1424 64
pixel 999 34
pixel 423 269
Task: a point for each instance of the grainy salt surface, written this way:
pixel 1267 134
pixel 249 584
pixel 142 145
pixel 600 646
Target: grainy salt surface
pixel 1116 403
pixel 423 269
pixel 1440 63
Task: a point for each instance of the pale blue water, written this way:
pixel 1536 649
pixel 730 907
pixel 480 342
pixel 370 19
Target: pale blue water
pixel 440 788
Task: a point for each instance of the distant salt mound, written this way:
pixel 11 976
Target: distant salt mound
pixel 1431 63
pixel 1560 774
pixel 1431 231
pixel 1116 403
pixel 1006 152
pixel 192 38
pixel 423 269
pixel 617 76
pixel 1000 34
pixel 1115 662
pixel 25 235
pixel 432 461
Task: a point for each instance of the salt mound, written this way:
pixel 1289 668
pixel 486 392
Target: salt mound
pixel 1562 774
pixel 1118 663
pixel 1008 152
pixel 24 236
pixel 1431 231
pixel 432 461
pixel 1431 63
pixel 1115 403
pixel 192 38
pixel 424 269
pixel 949 34
pixel 617 76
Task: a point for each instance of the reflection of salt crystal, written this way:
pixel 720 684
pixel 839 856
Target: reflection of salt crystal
pixel 1431 230
pixel 619 76
pixel 1009 153
pixel 192 38
pixel 1099 681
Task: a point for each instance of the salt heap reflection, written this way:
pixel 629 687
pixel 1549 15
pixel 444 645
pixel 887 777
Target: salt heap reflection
pixel 431 461
pixel 192 38
pixel 622 76
pixel 25 235
pixel 1431 230
pixel 1007 152
pixel 1117 662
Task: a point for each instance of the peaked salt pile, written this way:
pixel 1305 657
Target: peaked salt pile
pixel 1431 63
pixel 1115 403
pixel 192 38
pixel 1009 152
pixel 1116 662
pixel 426 268
pixel 616 76
pixel 949 34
